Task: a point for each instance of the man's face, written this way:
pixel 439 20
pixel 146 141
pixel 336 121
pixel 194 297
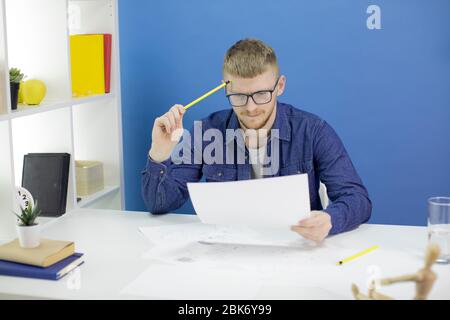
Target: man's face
pixel 253 115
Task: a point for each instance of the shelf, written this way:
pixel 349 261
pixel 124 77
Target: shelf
pixel 89 128
pixel 94 98
pixel 25 110
pixel 85 201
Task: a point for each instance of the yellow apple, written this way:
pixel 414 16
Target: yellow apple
pixel 33 91
pixel 20 97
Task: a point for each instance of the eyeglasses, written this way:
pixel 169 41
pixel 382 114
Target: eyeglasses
pixel 258 97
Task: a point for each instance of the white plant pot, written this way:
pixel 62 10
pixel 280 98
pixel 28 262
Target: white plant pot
pixel 29 236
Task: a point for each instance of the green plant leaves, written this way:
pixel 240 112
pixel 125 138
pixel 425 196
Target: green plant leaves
pixel 29 215
pixel 15 75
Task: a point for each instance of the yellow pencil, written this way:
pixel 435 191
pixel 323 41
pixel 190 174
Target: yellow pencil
pixel 206 95
pixel 359 254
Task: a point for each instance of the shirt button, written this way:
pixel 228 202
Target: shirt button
pixel 219 174
pixel 298 171
pixel 161 172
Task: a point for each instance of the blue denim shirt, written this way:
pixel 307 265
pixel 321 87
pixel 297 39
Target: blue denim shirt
pixel 307 144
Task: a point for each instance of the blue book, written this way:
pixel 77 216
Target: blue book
pixel 53 272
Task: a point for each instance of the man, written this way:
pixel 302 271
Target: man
pixel 300 142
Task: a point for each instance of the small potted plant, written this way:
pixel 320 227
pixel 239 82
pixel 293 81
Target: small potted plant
pixel 15 77
pixel 28 229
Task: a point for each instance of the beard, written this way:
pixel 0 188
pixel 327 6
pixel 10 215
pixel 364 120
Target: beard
pixel 257 119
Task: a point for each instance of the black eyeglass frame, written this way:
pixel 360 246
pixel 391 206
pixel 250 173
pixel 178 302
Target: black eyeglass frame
pixel 251 95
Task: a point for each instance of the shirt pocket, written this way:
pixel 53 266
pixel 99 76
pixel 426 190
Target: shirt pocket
pixel 219 173
pixel 296 168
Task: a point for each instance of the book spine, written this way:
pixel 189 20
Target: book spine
pixel 28 274
pixel 107 65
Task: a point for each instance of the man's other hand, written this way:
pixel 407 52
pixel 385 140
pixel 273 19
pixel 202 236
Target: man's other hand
pixel 316 227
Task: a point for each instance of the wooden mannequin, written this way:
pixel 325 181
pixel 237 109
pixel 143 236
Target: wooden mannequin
pixel 424 279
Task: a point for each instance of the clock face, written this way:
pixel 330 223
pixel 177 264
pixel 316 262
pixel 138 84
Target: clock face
pixel 23 198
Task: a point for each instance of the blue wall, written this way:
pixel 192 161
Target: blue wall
pixel 386 92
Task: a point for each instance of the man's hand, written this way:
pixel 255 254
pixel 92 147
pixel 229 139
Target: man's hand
pixel 166 133
pixel 314 228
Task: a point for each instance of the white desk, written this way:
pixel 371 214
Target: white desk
pixel 113 249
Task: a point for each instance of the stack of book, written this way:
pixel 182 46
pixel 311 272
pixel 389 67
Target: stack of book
pixel 90 59
pixel 51 260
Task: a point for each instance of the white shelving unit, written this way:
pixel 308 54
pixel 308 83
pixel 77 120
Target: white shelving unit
pixel 35 37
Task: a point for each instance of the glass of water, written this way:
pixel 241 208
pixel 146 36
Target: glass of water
pixel 439 226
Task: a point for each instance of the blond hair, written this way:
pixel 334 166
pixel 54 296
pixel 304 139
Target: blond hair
pixel 249 58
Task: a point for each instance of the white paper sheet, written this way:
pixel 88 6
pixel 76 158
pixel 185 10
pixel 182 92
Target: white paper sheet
pixel 277 202
pixel 199 232
pixel 228 246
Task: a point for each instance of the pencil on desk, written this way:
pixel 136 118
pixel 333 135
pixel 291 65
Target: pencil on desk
pixel 206 95
pixel 357 255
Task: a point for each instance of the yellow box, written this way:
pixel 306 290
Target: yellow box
pixel 87 64
pixel 89 176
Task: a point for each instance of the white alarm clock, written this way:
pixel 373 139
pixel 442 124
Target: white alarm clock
pixel 23 199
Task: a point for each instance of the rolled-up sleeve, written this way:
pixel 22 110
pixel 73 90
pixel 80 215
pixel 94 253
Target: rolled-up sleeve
pixel 350 204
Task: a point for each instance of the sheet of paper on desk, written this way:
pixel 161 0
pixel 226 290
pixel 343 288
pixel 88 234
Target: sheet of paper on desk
pixel 218 244
pixel 174 235
pixel 277 202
